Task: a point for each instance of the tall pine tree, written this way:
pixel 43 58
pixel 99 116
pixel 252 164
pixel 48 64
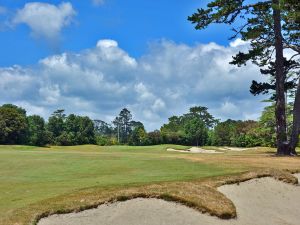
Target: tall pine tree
pixel 270 26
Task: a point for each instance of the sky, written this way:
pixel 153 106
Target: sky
pixel 96 57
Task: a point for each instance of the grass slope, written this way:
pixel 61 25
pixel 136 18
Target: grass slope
pixel 35 180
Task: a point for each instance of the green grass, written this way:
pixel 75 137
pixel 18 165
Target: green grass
pixel 30 174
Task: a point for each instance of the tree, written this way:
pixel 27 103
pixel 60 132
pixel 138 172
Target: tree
pixel 71 129
pixel 202 113
pixel 296 121
pixel 104 133
pixel 56 124
pixel 37 134
pixel 13 124
pixel 179 129
pixel 266 129
pixel 138 135
pixel 195 131
pixel 270 26
pixel 224 132
pixel 117 123
pixel 102 128
pixel 236 133
pixel 78 130
pixel 174 124
pixel 154 138
pixel 86 130
pixel 123 125
pixel 245 134
pixel 20 110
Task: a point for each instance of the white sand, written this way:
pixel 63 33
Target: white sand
pixel 236 149
pixel 259 202
pixel 194 150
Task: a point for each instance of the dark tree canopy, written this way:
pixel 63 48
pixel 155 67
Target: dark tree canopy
pixel 13 124
pixel 37 133
pixel 191 128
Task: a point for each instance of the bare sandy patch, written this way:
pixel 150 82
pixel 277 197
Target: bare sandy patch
pixel 258 201
pixel 195 150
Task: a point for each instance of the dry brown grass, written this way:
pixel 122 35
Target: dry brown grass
pixel 248 161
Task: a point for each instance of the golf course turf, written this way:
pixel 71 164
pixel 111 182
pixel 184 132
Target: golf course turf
pixel 35 182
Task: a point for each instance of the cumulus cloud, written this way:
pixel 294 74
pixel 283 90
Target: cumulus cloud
pixel 45 20
pixel 166 81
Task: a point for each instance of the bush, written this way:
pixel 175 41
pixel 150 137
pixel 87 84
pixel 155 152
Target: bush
pixel 106 140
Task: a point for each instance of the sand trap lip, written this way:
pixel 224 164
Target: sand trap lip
pixel 195 150
pixel 258 201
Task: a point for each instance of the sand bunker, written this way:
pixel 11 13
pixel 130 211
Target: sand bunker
pixel 235 149
pixel 195 150
pixel 258 201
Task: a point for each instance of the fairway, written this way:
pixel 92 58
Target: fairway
pixel 31 176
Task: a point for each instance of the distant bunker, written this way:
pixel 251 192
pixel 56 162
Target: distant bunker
pixel 211 151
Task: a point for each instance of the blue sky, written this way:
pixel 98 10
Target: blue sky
pixel 95 57
pixel 133 23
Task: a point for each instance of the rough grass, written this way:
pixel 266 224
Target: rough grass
pixel 36 182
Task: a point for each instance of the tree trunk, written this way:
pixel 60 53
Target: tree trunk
pixel 282 148
pixel 296 122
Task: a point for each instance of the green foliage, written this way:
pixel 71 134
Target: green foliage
pixel 37 134
pixel 236 133
pixel 189 129
pixel 271 27
pixel 13 124
pixel 138 136
pixel 192 128
pixel 253 21
pixel 103 140
pixel 128 131
pixel 202 114
pixel 266 130
pixel 20 110
pixel 56 123
pixel 123 125
pixel 16 128
pixel 102 128
pixel 72 130
pixel 80 130
pixel 174 125
pixel 224 132
pixel 154 138
pixel 195 131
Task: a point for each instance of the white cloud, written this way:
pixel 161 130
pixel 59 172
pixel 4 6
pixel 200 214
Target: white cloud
pixel 166 81
pixel 45 20
pixel 143 92
pixel 107 44
pixel 158 105
pixel 98 2
pixel 228 109
pixel 238 42
pixel 50 94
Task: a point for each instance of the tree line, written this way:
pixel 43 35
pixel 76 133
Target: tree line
pixel 197 127
pixel 18 128
pixel 66 130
